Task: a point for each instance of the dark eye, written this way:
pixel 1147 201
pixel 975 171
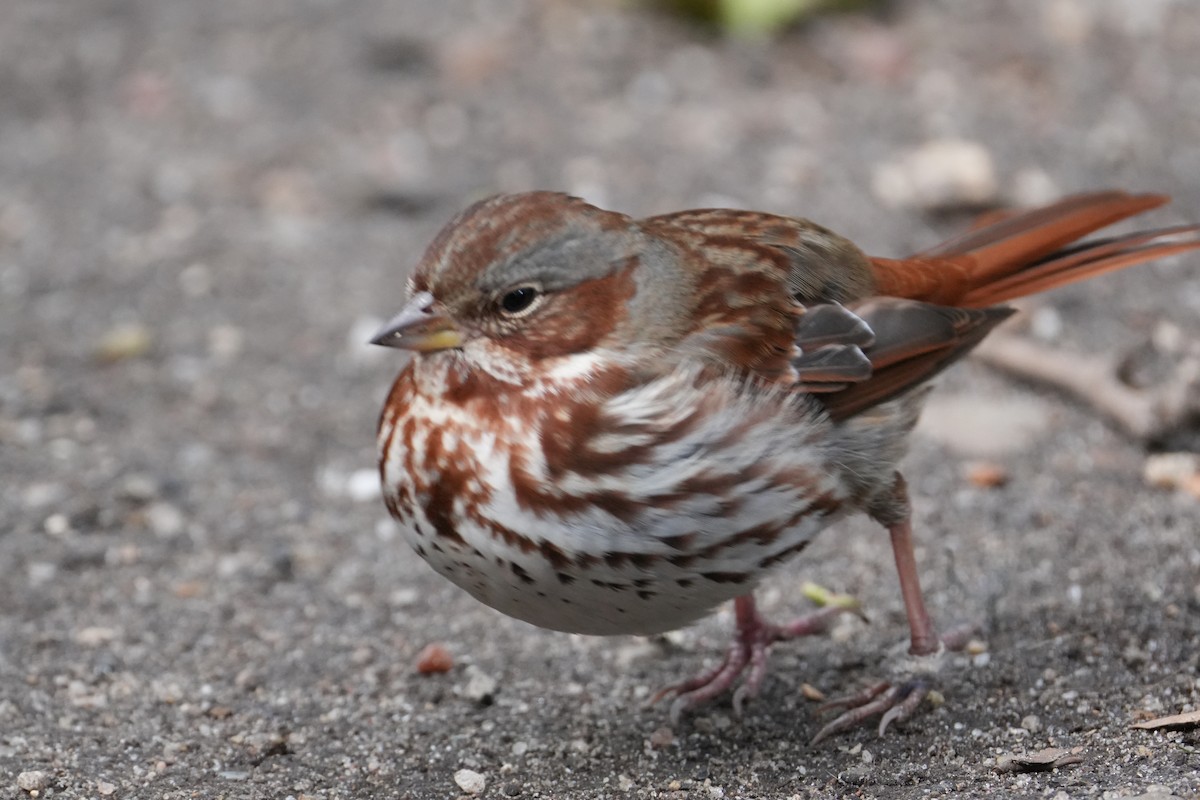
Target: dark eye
pixel 519 300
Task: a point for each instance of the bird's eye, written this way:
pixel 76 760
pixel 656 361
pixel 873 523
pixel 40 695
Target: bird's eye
pixel 519 301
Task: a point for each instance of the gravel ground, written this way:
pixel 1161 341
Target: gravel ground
pixel 206 207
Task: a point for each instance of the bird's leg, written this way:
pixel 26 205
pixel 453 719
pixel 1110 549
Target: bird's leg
pixel 1146 414
pixel 896 701
pixel 747 655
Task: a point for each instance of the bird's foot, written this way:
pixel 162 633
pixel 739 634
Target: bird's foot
pixel 746 657
pixel 898 699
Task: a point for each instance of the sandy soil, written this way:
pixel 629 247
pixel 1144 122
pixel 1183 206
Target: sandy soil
pixel 205 207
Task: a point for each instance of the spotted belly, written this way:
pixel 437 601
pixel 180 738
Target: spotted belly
pixel 598 590
pixel 638 513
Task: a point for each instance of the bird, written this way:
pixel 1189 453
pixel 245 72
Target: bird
pixel 612 425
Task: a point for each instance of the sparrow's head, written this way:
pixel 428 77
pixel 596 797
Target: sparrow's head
pixel 516 279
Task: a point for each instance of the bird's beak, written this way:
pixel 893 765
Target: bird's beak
pixel 420 328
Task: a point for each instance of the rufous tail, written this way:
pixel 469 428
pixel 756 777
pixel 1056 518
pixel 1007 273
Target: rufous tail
pixel 1032 251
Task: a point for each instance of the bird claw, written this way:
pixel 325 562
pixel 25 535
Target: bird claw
pixel 891 703
pixel 897 700
pixel 744 652
pixel 746 657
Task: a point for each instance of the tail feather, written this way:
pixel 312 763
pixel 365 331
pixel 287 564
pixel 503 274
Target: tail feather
pixel 1031 251
pixel 1087 261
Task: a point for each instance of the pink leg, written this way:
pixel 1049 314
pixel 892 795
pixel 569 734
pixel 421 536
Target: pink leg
pixel 747 654
pixel 923 636
pixel 896 703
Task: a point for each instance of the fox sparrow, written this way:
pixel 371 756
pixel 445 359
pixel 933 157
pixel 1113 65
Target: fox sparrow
pixel 612 425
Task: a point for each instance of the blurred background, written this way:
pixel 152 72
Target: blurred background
pixel 206 208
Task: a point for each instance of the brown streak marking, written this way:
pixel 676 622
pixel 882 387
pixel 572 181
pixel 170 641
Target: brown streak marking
pixel 393 507
pixel 451 483
pixel 520 572
pixel 616 587
pixel 681 542
pixel 510 537
pixel 557 558
pixel 783 554
pixel 725 577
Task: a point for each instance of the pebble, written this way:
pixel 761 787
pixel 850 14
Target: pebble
pixel 434 658
pixel 105 788
pixel 123 342
pixel 33 780
pixel 1156 792
pixel 661 738
pixel 470 781
pixel 363 485
pixel 95 635
pixel 1031 723
pixel 986 475
pixel 480 686
pixel 942 174
pixel 357 485
pixel 164 519
pixel 1173 471
pixel 139 488
pixel 811 692
pixel 57 525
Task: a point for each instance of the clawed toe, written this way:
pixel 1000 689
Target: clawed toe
pixel 890 703
pixel 894 701
pixel 746 658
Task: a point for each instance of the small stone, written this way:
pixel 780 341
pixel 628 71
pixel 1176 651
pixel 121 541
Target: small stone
pixel 434 658
pixel 986 475
pixel 363 485
pixel 33 780
pixel 57 525
pixel 480 686
pixel 105 788
pixel 470 781
pixel 939 175
pixel 811 692
pixel 661 738
pixel 139 488
pixel 123 342
pixel 95 635
pixel 1173 471
pixel 402 598
pixel 164 519
pixel 1031 723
